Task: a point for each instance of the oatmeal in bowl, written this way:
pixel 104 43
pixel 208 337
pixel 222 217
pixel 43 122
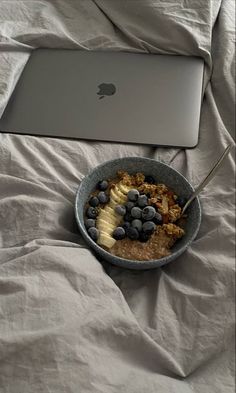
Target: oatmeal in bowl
pixel 130 212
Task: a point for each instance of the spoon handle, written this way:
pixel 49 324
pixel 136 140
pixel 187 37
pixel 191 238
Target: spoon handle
pixel 208 178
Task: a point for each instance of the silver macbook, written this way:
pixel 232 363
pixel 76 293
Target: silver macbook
pixel 108 96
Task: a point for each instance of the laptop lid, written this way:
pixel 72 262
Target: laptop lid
pixel 108 96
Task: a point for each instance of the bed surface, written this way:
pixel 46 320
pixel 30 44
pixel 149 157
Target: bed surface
pixel 69 324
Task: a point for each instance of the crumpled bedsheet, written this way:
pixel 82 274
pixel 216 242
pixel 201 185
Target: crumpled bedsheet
pixel 72 324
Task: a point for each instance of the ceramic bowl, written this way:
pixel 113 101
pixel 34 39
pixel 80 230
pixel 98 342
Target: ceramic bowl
pixel 163 173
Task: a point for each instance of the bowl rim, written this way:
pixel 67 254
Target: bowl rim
pixel 123 261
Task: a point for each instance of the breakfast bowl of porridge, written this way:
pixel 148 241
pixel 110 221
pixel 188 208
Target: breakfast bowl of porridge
pixel 129 211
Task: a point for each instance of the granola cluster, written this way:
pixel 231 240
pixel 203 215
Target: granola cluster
pixel 172 230
pixel 131 180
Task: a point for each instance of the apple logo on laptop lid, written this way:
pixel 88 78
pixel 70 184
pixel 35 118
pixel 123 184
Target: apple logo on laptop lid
pixel 106 89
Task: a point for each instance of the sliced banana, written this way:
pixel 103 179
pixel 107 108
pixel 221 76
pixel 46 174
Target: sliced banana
pixel 109 217
pixel 101 222
pixel 118 198
pixel 122 197
pixel 106 229
pixel 114 197
pixel 114 216
pixel 123 188
pixel 111 211
pixel 112 204
pixel 106 240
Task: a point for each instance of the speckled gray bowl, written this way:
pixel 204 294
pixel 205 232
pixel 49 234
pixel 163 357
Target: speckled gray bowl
pixel 163 174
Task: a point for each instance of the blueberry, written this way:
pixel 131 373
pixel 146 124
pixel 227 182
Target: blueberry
pixel 148 213
pixel 90 222
pixel 126 225
pixel 142 201
pixel 144 237
pixel 120 209
pixel 149 179
pixel 119 233
pixel 133 195
pixel 128 217
pixel 129 206
pixel 137 224
pixel 181 201
pixel 93 233
pixel 132 233
pixel 136 212
pixel 93 201
pixel 158 219
pixel 149 227
pixel 103 197
pixel 91 212
pixel 102 185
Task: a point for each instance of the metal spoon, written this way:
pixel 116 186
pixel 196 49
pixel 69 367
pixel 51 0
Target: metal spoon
pixel 208 178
